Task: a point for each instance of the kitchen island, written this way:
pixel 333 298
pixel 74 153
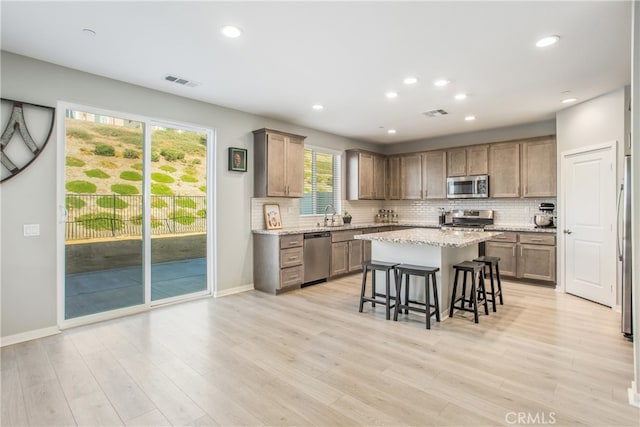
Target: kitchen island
pixel 427 247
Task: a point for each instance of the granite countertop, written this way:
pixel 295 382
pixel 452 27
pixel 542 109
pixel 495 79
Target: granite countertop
pixel 417 224
pixel 432 237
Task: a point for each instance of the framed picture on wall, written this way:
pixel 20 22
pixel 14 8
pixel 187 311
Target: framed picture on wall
pixel 272 217
pixel 237 159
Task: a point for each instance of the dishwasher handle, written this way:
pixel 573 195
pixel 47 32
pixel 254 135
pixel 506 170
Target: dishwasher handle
pixel 316 235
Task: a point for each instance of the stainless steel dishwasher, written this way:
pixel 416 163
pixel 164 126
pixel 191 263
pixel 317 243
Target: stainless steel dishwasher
pixel 317 257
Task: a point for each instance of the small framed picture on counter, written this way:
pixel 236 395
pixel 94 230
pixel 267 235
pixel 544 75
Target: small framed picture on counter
pixel 272 217
pixel 237 159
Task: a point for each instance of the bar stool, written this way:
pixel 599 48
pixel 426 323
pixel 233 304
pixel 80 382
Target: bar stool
pixel 374 266
pixel 473 268
pixel 408 270
pixel 493 262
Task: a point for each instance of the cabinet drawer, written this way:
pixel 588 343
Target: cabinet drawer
pixel 506 237
pixel 291 276
pixel 292 241
pixel 538 239
pixel 290 257
pixel 344 236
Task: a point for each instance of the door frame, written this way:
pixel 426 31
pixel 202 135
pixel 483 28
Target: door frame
pixel 62 107
pixel 612 147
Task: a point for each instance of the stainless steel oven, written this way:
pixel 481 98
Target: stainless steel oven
pixel 468 187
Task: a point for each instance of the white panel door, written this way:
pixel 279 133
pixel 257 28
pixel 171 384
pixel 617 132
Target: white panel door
pixel 588 226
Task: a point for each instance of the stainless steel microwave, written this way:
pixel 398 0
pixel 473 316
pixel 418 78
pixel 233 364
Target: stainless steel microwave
pixel 468 187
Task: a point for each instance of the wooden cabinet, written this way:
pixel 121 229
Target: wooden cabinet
pixel 525 255
pixel 468 161
pixel 435 175
pixel 277 262
pixel 346 252
pixel 366 175
pixel 411 178
pixel 504 170
pixel 539 167
pixel 278 164
pixel 393 178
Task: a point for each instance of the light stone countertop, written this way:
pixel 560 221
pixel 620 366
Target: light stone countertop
pixel 419 224
pixel 432 237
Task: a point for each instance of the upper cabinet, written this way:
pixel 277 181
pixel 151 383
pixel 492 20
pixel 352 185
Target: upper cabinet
pixel 411 178
pixel 539 167
pixel 393 178
pixel 366 175
pixel 435 174
pixel 504 170
pixel 278 164
pixel 468 161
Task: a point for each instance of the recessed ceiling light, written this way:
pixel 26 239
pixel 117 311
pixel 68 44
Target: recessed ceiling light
pixel 231 31
pixel 441 82
pixel 317 107
pixel 470 118
pixel 410 81
pixel 391 131
pixel 391 95
pixel 88 32
pixel 569 100
pixel 547 41
pixel 461 96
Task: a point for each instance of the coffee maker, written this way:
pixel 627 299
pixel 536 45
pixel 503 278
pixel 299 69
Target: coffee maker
pixel 545 217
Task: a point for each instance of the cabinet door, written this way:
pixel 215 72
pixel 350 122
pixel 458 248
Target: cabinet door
pixel 411 177
pixel 457 162
pixel 379 177
pixel 365 176
pixel 294 167
pixel 276 171
pixel 393 180
pixel 356 253
pixel 539 168
pixel 435 165
pixel 339 258
pixel 504 170
pixel 537 262
pixel 478 160
pixel 507 254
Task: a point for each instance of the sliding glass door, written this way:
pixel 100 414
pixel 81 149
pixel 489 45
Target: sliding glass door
pixel 136 226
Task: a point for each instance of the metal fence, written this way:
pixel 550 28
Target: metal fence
pixel 114 215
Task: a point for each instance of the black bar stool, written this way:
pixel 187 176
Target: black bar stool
pixel 408 270
pixel 493 262
pixel 374 266
pixel 475 269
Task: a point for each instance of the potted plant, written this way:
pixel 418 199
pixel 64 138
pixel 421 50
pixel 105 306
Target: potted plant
pixel 346 217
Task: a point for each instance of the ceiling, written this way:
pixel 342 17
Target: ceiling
pixel 345 56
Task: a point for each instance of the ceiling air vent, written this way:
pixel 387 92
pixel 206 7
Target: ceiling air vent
pixel 180 81
pixel 436 113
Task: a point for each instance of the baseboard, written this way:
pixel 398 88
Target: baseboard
pixel 231 291
pixel 28 336
pixel 634 397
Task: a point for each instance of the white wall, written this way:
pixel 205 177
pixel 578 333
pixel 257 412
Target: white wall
pixel 28 296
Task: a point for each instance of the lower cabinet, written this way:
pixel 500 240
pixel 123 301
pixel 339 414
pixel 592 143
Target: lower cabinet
pixel 277 262
pixel 525 255
pixel 346 252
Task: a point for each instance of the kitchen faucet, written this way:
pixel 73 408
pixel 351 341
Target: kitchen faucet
pixel 326 220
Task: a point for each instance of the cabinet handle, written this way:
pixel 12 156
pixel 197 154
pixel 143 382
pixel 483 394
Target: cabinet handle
pixel 536 240
pixel 520 250
pixel 513 251
pixel 292 258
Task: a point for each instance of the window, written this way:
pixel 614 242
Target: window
pixel 321 181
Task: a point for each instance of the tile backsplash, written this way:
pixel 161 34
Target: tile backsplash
pixel 507 211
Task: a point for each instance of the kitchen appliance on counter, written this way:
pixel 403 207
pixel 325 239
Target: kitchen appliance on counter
pixel 467 220
pixel 545 217
pixel 624 246
pixel 468 187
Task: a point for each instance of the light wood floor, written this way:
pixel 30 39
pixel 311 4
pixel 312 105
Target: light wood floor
pixel 309 358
